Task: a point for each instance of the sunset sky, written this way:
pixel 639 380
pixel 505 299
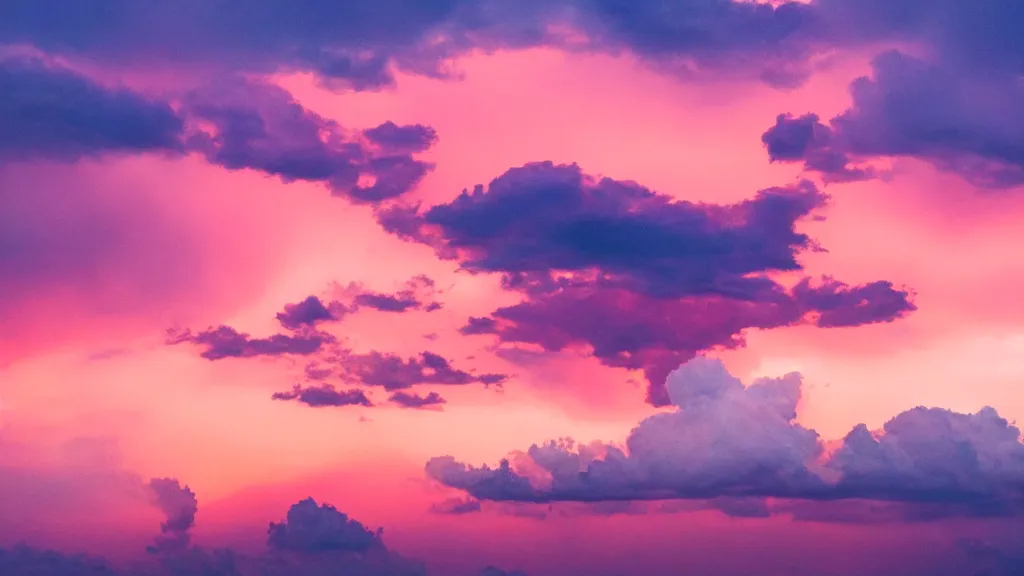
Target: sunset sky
pixel 537 288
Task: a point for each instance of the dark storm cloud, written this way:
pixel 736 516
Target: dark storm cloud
pixel 643 280
pixel 324 395
pixel 972 462
pixel 226 342
pixel 53 112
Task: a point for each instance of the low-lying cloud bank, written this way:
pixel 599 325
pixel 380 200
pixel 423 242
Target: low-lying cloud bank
pixel 727 440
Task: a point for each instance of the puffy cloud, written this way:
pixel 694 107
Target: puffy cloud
pixel 409 400
pixel 179 505
pixel 226 342
pixel 543 217
pixel 53 112
pixel 310 311
pixel 312 527
pixel 313 540
pixel 324 395
pixel 643 280
pixel 960 121
pixel 729 440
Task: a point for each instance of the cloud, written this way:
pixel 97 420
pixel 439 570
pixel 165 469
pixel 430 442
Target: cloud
pixel 837 304
pixel 412 296
pixel 393 372
pixel 179 505
pixel 960 121
pixel 357 45
pixel 973 463
pixel 226 342
pixel 310 311
pixel 408 400
pixel 312 527
pixel 262 127
pixel 53 112
pixel 642 280
pixel 313 540
pixel 455 506
pixel 27 561
pixel 324 395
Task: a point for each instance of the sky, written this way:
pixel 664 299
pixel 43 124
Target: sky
pixel 489 288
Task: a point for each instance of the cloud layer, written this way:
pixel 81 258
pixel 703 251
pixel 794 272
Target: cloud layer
pixel 725 439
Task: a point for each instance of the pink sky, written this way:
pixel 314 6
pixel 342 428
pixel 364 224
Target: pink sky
pixel 212 246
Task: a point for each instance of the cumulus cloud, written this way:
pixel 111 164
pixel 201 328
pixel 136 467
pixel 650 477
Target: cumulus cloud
pixel 643 280
pixel 313 540
pixel 312 527
pixel 310 311
pixel 729 440
pixel 179 505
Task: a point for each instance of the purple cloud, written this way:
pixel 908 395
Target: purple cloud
pixel 312 528
pixel 393 372
pixel 408 400
pixel 962 122
pixel 644 281
pixel 324 395
pixel 414 295
pixel 226 342
pixel 262 127
pixel 357 45
pixel 837 304
pixel 309 312
pixel 179 505
pixel 455 506
pixel 971 462
pixel 48 111
pixel 402 139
